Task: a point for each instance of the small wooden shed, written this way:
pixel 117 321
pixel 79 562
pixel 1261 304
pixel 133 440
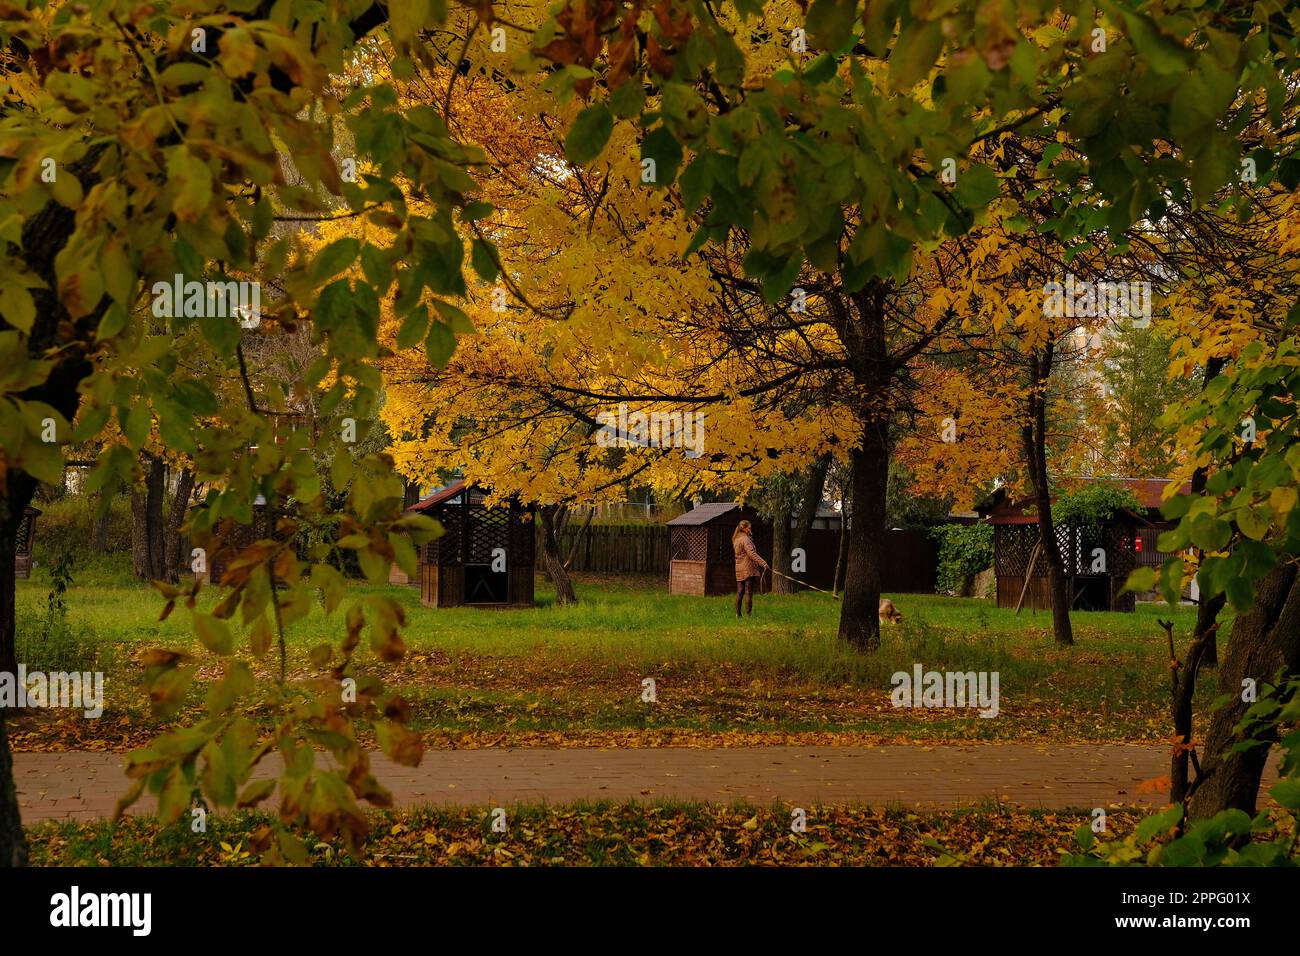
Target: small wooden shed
pixel 1123 543
pixel 233 538
pixel 485 556
pixel 701 559
pixel 24 539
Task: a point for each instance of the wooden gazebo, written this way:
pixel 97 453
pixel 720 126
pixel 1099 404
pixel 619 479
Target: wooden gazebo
pixel 24 539
pixel 234 537
pixel 485 556
pixel 701 559
pixel 1127 541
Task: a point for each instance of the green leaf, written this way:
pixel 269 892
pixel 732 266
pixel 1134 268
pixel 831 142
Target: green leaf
pixel 440 344
pixel 830 22
pixel 1287 793
pixel 1141 579
pixel 334 258
pixel 661 146
pixel 413 329
pixel 407 18
pixel 1210 533
pixel 256 792
pixel 589 134
pixel 1161 52
pixel 191 184
pixel 214 634
pixel 483 261
pixel 17 307
pixel 977 187
pixel 1159 823
pixel 628 100
pixel 460 322
pixel 139 419
pixel 915 53
pixel 1171 580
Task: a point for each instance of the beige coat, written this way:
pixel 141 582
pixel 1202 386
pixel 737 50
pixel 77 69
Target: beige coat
pixel 748 563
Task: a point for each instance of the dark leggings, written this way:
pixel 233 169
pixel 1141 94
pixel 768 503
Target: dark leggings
pixel 745 592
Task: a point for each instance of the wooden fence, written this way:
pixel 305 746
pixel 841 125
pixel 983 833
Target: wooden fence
pixel 617 548
pixel 911 565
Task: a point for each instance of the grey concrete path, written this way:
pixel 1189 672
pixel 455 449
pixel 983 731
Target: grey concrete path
pixel 86 786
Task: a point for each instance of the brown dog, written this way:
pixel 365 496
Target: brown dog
pixel 888 612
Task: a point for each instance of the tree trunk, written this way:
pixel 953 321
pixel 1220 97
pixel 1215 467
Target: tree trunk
pixel 172 529
pixel 860 612
pixel 43 238
pixel 1200 476
pixel 410 493
pixel 783 504
pixel 1034 435
pixel 13 844
pixel 8 548
pixel 1264 641
pixel 139 534
pixel 813 486
pixel 553 517
pixel 578 539
pixel 147 552
pixel 1198 656
pixel 99 535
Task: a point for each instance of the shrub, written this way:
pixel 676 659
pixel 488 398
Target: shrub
pixel 1093 505
pixel 68 523
pixel 964 551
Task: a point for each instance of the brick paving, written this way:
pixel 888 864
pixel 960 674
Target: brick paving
pixel 85 786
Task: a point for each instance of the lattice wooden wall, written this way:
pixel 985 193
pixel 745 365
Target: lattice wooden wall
pixel 689 543
pixel 471 531
pixel 1013 545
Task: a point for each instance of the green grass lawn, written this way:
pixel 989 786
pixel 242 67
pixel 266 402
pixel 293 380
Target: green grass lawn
pixel 563 674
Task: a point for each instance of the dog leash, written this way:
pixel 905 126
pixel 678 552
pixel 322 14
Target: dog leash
pixel 804 583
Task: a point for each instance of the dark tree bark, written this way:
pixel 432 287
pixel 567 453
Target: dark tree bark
pixel 813 487
pixel 13 844
pixel 1034 436
pixel 863 334
pixel 1264 641
pixel 99 535
pixel 410 493
pixel 787 539
pixel 860 614
pixel 1184 692
pixel 139 534
pixel 148 554
pixel 172 529
pixel 553 521
pixel 44 236
pixel 782 505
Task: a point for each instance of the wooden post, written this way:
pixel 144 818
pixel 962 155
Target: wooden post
pixel 1029 571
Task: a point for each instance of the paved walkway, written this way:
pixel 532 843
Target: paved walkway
pixel 85 786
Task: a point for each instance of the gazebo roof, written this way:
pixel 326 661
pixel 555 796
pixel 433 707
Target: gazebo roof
pixel 438 497
pixel 703 514
pixel 999 508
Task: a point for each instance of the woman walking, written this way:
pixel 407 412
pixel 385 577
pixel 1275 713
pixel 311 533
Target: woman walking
pixel 748 566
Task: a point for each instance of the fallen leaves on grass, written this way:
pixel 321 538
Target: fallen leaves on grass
pixel 620 834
